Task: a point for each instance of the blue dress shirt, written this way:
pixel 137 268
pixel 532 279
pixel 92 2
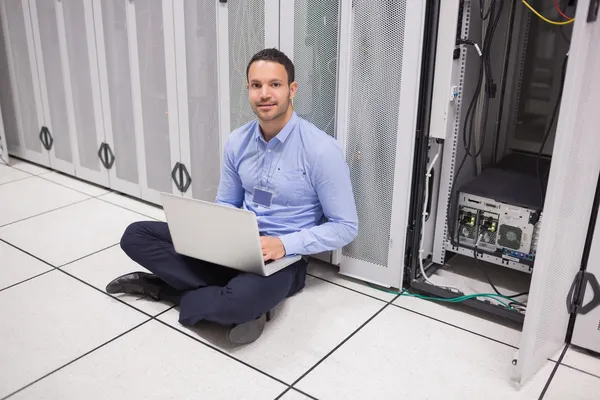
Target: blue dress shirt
pixel 306 171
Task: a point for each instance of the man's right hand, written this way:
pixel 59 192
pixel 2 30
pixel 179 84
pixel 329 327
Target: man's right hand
pixel 272 248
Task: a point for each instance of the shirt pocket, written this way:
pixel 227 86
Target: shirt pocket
pixel 298 188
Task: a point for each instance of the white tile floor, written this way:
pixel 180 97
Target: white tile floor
pixel 62 337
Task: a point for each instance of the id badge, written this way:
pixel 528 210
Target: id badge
pixel 262 197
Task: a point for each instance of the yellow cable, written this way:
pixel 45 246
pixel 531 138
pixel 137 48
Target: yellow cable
pixel 546 19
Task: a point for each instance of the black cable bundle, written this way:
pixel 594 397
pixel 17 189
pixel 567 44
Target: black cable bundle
pixel 485 65
pixel 470 116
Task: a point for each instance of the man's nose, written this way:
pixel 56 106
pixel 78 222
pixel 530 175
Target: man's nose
pixel 264 93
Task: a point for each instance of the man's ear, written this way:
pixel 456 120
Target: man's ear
pixel 293 88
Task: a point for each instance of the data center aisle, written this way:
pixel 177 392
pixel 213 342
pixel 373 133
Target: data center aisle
pixel 62 337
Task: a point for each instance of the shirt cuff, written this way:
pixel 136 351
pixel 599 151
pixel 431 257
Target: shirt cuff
pixel 292 243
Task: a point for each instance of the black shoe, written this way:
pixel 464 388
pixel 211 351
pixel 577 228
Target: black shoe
pixel 141 283
pixel 249 331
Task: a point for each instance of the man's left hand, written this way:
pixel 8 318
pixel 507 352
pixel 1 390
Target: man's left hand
pixel 272 248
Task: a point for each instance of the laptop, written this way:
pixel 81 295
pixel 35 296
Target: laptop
pixel 218 234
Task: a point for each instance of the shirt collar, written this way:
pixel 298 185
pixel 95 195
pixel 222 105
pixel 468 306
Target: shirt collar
pixel 283 133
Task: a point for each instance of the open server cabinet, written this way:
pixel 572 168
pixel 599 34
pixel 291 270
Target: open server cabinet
pixel 529 66
pixel 400 79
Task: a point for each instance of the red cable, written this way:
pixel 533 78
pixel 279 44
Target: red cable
pixel 559 10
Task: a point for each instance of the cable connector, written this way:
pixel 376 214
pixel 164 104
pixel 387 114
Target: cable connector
pixel 470 43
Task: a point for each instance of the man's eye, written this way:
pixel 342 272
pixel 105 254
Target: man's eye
pixel 277 84
pixel 255 85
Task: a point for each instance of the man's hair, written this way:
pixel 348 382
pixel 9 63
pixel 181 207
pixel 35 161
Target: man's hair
pixel 277 56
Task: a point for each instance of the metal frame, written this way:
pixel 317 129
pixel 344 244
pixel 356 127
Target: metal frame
pixel 3 143
pixel 444 66
pixel 286 18
pixel 134 69
pixel 343 88
pixel 453 149
pixel 223 72
pixel 272 23
pixel 182 91
pixel 173 86
pixel 37 157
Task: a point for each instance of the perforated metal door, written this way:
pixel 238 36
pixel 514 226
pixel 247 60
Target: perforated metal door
pixel 23 76
pixel 202 97
pixel 572 182
pixel 53 85
pixel 316 29
pixel 377 107
pixel 9 115
pixel 246 37
pixel 150 33
pixel 376 73
pixel 119 96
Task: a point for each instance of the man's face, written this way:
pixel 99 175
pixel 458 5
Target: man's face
pixel 268 90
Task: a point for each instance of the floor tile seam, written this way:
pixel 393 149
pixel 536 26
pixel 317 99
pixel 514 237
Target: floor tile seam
pixel 344 341
pixel 17 180
pixel 77 180
pixel 26 280
pixel 224 353
pixel 552 374
pixel 347 288
pixel 77 359
pixel 125 208
pixel 580 370
pixel 291 388
pixel 456 326
pixel 48 211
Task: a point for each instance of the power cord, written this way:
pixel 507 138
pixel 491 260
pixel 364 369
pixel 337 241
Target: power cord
pixel 423 219
pixel 500 299
pixel 487 277
pixel 533 10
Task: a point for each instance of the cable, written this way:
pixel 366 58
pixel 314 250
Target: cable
pixel 548 130
pixel 487 277
pixel 485 65
pixel 457 299
pixel 481 14
pixel 560 11
pixel 424 217
pixel 546 19
pixel 470 115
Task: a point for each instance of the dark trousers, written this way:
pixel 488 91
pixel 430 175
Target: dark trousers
pixel 208 291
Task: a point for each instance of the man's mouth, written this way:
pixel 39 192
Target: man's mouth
pixel 266 106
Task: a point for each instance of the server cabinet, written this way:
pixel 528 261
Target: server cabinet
pixel 138 94
pixel 29 138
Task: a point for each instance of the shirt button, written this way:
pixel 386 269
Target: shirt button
pixel 269 150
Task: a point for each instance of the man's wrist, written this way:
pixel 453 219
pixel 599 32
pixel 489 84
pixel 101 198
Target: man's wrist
pixel 292 243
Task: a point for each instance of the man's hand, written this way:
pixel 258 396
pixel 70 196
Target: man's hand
pixel 272 248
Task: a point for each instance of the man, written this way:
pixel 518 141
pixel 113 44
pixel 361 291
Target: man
pixel 292 176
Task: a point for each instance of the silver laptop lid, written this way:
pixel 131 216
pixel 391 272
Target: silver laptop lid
pixel 214 233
